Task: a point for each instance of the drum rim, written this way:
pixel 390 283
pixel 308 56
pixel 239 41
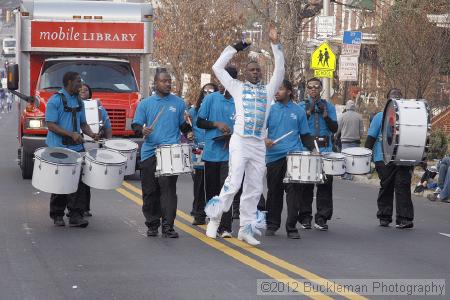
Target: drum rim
pixel 90 159
pixel 362 155
pixel 128 141
pixel 170 145
pixel 78 162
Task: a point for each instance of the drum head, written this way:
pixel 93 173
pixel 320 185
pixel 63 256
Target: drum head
pixel 333 155
pixel 106 156
pixel 388 131
pixel 121 145
pixel 61 156
pixel 357 151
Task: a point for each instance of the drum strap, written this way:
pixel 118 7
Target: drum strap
pixel 72 110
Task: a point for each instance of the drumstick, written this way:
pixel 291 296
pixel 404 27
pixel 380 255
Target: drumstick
pixel 157 117
pixel 317 147
pixel 282 137
pixel 93 141
pixel 188 118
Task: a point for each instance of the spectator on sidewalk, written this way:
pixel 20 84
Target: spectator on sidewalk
pixel 442 192
pixel 350 130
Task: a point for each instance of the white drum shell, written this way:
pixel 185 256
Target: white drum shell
pixel 173 160
pixel 303 167
pixel 103 176
pixel 334 166
pixel 131 154
pixel 55 178
pixel 357 164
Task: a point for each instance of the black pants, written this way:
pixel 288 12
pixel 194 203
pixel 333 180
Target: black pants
pixel 198 206
pixel 159 196
pixel 215 175
pixel 394 179
pixel 75 202
pixel 324 201
pixel 275 174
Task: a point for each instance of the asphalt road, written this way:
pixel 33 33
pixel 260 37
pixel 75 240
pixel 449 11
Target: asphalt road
pixel 113 259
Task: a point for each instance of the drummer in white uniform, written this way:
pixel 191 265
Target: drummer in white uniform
pixel 286 125
pixel 66 119
pixel 163 117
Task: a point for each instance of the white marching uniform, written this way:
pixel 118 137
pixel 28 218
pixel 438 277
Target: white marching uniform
pixel 247 147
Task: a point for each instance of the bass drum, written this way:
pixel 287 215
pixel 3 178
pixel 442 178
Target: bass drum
pixel 56 170
pixel 405 129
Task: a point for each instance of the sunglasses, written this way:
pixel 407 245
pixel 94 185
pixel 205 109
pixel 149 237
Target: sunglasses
pixel 208 91
pixel 317 87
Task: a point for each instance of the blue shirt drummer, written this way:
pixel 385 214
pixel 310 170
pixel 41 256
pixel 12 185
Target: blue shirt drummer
pixel 55 113
pixel 166 130
pixel 317 123
pixel 199 134
pixel 282 119
pixel 216 108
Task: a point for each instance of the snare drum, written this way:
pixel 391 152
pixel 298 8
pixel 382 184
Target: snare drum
pixel 173 160
pixel 357 160
pixel 103 169
pixel 303 167
pixel 333 164
pixel 406 124
pixel 56 170
pixel 127 148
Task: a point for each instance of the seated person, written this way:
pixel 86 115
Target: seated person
pixel 442 192
pixel 426 181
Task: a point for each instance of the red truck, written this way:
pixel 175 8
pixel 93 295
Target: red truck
pixel 109 44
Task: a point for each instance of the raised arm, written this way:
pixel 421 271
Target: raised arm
pixel 278 71
pixel 219 68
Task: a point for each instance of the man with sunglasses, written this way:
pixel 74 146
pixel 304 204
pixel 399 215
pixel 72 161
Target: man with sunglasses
pixel 323 124
pixel 252 101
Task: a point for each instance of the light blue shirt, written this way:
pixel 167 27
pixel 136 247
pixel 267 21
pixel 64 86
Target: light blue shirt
pixel 55 113
pixel 105 118
pixel 199 134
pixel 375 132
pixel 322 129
pixel 283 119
pixel 216 108
pixel 166 131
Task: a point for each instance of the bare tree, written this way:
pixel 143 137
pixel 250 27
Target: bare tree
pixel 411 48
pixel 191 34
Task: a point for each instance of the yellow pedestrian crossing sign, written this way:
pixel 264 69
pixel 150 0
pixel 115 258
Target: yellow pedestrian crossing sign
pixel 323 58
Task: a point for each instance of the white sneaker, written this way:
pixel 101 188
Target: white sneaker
pixel 211 229
pixel 226 235
pixel 245 234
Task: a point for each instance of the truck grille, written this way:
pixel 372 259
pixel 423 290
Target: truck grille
pixel 117 118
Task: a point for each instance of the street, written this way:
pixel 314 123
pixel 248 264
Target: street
pixel 113 259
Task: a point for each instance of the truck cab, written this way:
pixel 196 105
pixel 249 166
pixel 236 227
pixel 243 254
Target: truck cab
pixel 107 43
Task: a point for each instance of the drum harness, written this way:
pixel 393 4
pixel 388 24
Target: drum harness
pixel 322 141
pixel 73 110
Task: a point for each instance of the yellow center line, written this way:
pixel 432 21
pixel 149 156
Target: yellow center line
pixel 265 255
pixel 247 260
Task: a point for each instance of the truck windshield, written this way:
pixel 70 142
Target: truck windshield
pixel 9 44
pixel 112 76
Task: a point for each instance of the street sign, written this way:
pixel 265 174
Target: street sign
pixel 324 73
pixel 352 37
pixel 323 58
pixel 350 49
pixel 348 68
pixel 326 26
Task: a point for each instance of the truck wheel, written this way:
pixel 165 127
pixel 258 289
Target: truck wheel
pixel 26 164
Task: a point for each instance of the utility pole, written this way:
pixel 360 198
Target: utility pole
pixel 326 81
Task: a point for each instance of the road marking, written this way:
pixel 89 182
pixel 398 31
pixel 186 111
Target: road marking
pixel 247 260
pixel 260 253
pixel 445 234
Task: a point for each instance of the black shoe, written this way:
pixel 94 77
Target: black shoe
pixel 78 221
pixel 199 221
pixel 152 232
pixel 270 232
pixel 321 225
pixel 87 214
pixel 405 224
pixel 59 221
pixel 293 235
pixel 384 223
pixel 170 234
pixel 305 225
